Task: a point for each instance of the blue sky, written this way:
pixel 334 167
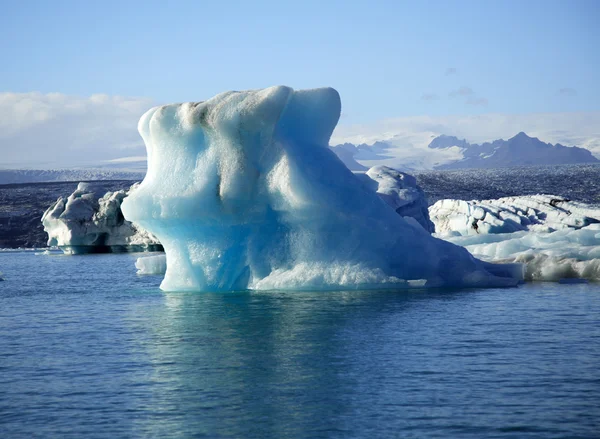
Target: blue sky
pixel 75 76
pixel 387 58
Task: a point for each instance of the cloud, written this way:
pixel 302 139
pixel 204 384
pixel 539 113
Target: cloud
pixel 57 130
pixel 450 71
pixel 462 91
pixel 470 97
pixel 477 101
pixel 430 97
pixel 567 91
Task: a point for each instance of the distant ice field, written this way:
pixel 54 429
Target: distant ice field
pixel 575 182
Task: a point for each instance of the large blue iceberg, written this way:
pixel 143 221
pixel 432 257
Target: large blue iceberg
pixel 244 193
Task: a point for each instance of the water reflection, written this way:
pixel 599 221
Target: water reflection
pixel 266 364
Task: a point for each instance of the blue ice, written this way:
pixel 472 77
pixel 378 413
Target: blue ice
pixel 244 193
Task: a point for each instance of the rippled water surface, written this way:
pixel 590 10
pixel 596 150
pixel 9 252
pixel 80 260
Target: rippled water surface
pixel 89 349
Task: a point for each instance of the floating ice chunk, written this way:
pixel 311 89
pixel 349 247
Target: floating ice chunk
pixel 549 256
pixel 543 213
pixel 90 220
pixel 401 192
pixel 155 264
pixel 243 192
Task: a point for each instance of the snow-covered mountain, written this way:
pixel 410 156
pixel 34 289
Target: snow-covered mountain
pixel 517 151
pixel 450 152
pixel 408 138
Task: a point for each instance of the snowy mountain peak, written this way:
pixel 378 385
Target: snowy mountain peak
pixel 519 150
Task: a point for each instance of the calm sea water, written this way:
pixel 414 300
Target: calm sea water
pixel 89 349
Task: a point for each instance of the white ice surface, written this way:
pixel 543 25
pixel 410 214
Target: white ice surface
pixel 92 217
pixel 401 192
pixel 243 192
pixel 548 256
pixel 155 264
pixel 543 213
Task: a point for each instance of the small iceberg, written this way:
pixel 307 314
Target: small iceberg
pixel 90 221
pixel 155 264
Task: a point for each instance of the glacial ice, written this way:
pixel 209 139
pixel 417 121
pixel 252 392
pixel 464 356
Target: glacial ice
pixel 554 238
pixel 542 213
pixel 401 192
pixel 90 220
pixel 155 264
pixel 243 193
pixel 548 256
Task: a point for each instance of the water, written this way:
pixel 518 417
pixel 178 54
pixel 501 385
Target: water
pixel 89 349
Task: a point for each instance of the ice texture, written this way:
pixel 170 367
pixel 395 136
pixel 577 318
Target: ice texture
pixel 401 192
pixel 398 189
pixel 90 220
pixel 244 193
pixel 549 256
pixel 542 213
pixel 155 264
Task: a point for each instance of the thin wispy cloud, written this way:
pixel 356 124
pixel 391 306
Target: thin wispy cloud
pixel 450 71
pixel 469 96
pixel 462 92
pixel 477 101
pixel 430 97
pixel 567 91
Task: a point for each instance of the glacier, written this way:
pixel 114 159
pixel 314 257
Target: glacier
pixel 243 192
pixel 90 221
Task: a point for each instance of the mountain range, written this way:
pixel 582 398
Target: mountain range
pixel 520 150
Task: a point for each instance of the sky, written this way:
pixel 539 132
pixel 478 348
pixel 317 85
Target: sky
pixel 72 68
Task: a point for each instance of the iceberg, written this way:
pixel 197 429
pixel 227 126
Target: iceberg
pixel 155 264
pixel 90 221
pixel 541 213
pixel 398 189
pixel 554 238
pixel 547 256
pixel 243 192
